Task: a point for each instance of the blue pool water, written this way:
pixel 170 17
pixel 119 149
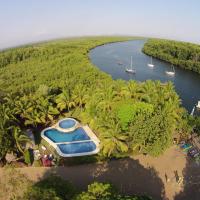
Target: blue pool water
pixel 68 123
pixel 82 147
pixel 58 136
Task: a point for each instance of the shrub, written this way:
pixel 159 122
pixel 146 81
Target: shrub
pixel 28 157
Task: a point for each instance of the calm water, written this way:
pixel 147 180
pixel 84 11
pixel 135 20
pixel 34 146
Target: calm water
pixel 83 147
pixel 57 136
pixel 187 83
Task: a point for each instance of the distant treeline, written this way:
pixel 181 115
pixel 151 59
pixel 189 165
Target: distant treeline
pixel 13 56
pixel 182 54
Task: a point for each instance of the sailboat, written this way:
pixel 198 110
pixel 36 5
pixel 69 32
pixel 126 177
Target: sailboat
pixel 119 62
pixel 171 73
pixel 198 105
pixel 151 63
pixel 131 70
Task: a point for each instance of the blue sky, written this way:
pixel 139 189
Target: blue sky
pixel 24 21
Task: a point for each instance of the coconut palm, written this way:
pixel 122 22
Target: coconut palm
pixel 45 110
pixel 132 88
pixel 79 95
pixel 7 120
pixel 20 139
pixel 113 142
pixel 64 101
pixel 106 98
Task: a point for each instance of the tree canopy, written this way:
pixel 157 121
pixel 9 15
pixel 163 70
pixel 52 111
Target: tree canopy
pixel 44 82
pixel 182 54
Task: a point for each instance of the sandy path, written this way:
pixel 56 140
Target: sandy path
pixel 140 175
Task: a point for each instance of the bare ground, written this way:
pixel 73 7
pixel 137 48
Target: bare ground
pixel 142 174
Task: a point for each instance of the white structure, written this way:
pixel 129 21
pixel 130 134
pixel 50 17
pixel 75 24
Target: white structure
pixel 131 70
pixel 69 129
pixel 198 105
pixel 72 146
pixel 171 73
pixel 151 63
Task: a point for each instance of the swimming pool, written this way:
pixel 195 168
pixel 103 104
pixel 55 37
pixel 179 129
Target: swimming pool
pixel 58 136
pixel 67 123
pixel 82 147
pixel 78 142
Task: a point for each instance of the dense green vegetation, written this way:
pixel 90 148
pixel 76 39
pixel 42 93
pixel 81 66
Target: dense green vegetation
pixel 44 82
pixel 16 186
pixel 182 54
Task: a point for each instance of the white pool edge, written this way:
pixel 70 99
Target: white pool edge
pixel 57 125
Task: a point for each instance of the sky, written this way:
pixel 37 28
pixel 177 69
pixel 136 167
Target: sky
pixel 25 21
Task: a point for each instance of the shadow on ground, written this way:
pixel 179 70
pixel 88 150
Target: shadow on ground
pixel 127 175
pixel 191 184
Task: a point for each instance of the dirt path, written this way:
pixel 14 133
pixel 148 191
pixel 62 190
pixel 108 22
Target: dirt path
pixel 140 175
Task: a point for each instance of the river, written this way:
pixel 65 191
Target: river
pixel 106 58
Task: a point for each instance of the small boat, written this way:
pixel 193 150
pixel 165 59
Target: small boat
pixel 193 109
pixel 171 73
pixel 196 108
pixel 151 63
pixel 198 105
pixel 119 62
pixel 131 70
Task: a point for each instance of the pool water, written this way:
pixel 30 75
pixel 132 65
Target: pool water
pixel 67 123
pixel 58 136
pixel 82 147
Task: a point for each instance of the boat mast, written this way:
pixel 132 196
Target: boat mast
pixel 131 63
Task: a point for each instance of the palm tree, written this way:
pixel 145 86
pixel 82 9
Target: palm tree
pixel 64 101
pixel 20 139
pixel 105 98
pixel 45 110
pixel 79 95
pixel 147 90
pixel 7 117
pixel 113 142
pixel 23 106
pixel 121 91
pixel 132 88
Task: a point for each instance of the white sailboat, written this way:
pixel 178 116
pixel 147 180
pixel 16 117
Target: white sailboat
pixel 151 63
pixel 195 108
pixel 172 72
pixel 131 70
pixel 198 105
pixel 119 62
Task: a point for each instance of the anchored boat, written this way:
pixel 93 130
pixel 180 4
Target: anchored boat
pixel 131 69
pixel 172 72
pixel 119 62
pixel 198 105
pixel 151 63
pixel 196 108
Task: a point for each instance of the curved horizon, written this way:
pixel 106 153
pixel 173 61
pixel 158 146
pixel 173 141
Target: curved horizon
pixel 77 37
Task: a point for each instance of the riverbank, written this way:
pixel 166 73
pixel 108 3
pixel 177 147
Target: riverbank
pixel 182 54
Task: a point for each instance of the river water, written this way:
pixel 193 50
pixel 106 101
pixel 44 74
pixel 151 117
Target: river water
pixel 106 58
